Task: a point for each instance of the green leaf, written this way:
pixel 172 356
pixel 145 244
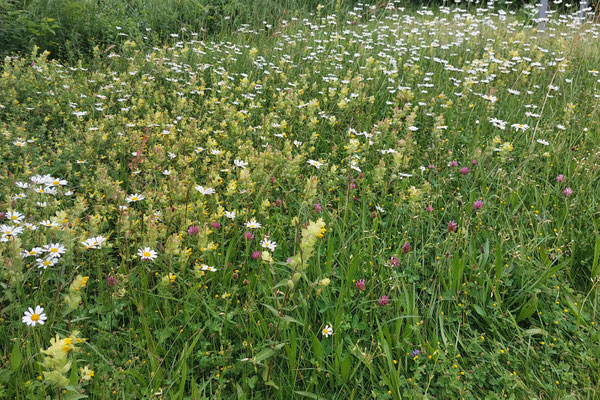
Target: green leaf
pixel 287 318
pixel 596 260
pixel 15 357
pixel 535 331
pixel 346 366
pixel 528 309
pixel 272 309
pixel 317 347
pixel 140 378
pixel 307 394
pixel 263 355
pixel 271 383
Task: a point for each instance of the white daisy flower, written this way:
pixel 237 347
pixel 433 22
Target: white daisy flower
pixel 134 197
pixel 147 253
pixel 54 250
pixel 253 224
pixel 44 263
pixel 267 244
pixel 314 163
pixel 33 317
pixel 205 191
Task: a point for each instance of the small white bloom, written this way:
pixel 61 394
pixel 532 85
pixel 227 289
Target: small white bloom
pixel 147 253
pixel 33 317
pixel 315 163
pixel 253 224
pixel 135 197
pixel 267 244
pixel 205 191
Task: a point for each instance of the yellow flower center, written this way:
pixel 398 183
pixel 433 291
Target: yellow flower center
pixel 66 348
pixel 134 198
pixel 46 263
pixel 146 254
pixel 55 182
pixel 35 317
pixel 54 250
pixel 68 341
pixel 14 217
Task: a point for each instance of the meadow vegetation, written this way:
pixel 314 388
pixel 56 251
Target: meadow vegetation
pixel 380 204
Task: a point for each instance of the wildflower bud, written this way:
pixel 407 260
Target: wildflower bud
pixel 296 277
pixel 452 226
pixel 193 230
pixel 352 185
pixel 454 163
pixel 383 300
pixel 374 214
pixel 429 209
pixel 406 248
pixel 2 216
pixel 474 162
pixel 245 283
pixel 235 275
pixel 112 281
pixel 215 225
pixel 360 285
pixel 394 261
pixel 478 204
pixel 324 282
pixel 273 179
pixel 248 235
pixel 290 284
pixel 560 178
pixel 464 170
pixel 256 255
pixel 278 203
pixel 567 192
pixel 318 208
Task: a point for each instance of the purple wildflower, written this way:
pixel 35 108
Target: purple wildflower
pixel 360 285
pixel 193 230
pixel 406 248
pixel 452 226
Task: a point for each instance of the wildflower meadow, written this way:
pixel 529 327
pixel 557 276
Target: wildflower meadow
pixel 383 202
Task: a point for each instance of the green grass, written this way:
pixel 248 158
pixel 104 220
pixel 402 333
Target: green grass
pixel 504 306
